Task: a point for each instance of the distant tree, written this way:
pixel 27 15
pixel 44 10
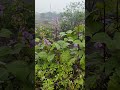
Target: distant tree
pixel 73 16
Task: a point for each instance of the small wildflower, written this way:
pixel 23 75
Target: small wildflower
pixel 47 42
pixel 98 45
pixel 32 43
pixel 25 34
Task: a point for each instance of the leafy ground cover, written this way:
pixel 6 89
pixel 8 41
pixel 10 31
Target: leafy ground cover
pixel 60 64
pixel 16 45
pixel 60 60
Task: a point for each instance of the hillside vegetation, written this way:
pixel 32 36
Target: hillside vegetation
pixel 60 51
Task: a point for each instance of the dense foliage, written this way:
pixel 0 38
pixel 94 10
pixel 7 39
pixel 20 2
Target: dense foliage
pixel 16 45
pixel 60 61
pixel 102 47
pixel 60 64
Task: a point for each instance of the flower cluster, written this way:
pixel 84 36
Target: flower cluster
pixel 28 38
pixel 98 45
pixel 47 42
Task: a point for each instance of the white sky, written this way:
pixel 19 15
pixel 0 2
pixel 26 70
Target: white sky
pixel 56 5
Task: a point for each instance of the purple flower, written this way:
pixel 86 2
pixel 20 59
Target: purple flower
pixel 46 42
pixel 32 43
pixel 98 45
pixel 75 45
pixel 30 37
pixel 25 34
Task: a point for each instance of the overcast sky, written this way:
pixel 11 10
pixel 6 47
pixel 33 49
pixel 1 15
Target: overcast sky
pixel 56 5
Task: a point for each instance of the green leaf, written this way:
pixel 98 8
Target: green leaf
pixel 69 31
pixel 3 74
pixel 81 27
pixel 37 39
pixel 4 51
pixel 81 44
pixel 91 82
pixel 5 33
pixel 70 39
pixel 100 5
pixel 63 44
pixel 50 57
pixel 116 39
pixel 65 39
pixel 32 77
pixel 65 56
pixel 62 34
pixel 94 27
pixel 57 46
pixel 43 55
pixel 114 83
pixel 82 62
pixel 19 69
pixel 110 65
pixel 17 48
pixel 103 38
pixel 77 42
